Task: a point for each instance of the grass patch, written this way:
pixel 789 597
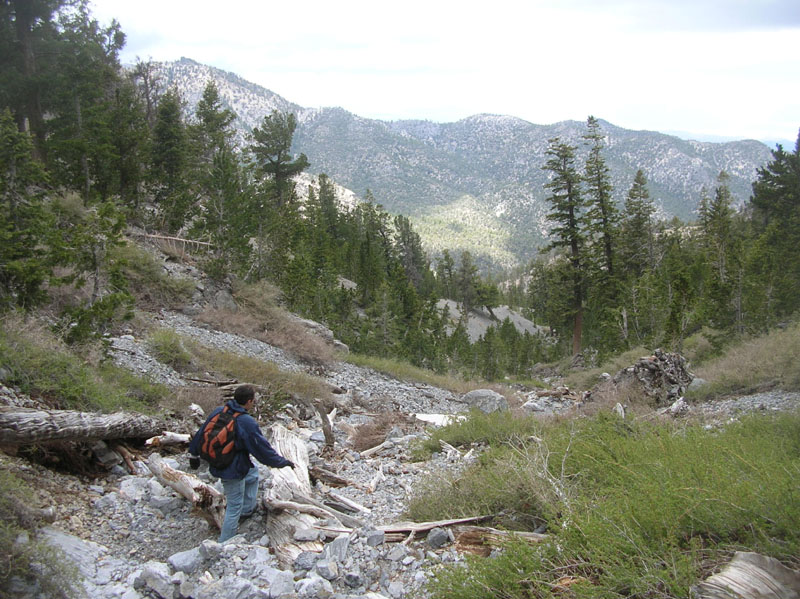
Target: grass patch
pixel 43 367
pixel 22 556
pixel 634 509
pixel 260 317
pixel 168 348
pixel 768 361
pixel 278 385
pixel 408 372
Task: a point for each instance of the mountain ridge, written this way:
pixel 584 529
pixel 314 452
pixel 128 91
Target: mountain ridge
pixel 485 169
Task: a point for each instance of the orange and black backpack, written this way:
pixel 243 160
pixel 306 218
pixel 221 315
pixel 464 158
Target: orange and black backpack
pixel 218 443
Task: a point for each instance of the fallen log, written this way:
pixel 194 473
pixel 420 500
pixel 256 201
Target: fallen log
pixel 286 484
pixel 389 537
pixel 19 426
pixel 209 501
pixel 480 540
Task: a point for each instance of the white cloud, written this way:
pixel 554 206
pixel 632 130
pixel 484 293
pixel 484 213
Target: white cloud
pixel 723 67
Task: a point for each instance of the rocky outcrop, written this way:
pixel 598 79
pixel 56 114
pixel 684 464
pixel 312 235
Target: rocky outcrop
pixel 662 376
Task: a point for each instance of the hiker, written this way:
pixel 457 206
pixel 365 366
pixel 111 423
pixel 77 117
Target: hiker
pixel 240 478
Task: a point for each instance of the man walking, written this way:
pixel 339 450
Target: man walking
pixel 240 479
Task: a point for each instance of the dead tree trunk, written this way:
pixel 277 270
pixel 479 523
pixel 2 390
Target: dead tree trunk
pixel 22 427
pixel 288 483
pixel 206 498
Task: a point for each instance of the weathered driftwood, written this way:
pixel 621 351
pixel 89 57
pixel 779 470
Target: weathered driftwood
pixel 327 429
pixel 449 449
pixel 751 576
pixel 408 527
pixel 328 477
pixel 389 537
pixel 205 498
pixel 20 426
pixel 127 457
pixel 286 484
pixel 368 453
pixel 330 512
pixel 376 480
pixel 480 540
pixel 348 502
pixel 168 438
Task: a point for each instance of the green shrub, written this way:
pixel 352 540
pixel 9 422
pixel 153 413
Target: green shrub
pixel 43 367
pixel 495 429
pixel 634 509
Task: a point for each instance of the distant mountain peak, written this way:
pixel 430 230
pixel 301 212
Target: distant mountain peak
pixel 476 183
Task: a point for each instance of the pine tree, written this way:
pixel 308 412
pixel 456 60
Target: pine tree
pixel 213 131
pixel 149 84
pixel 80 144
pixel 637 247
pixel 23 260
pixel 169 161
pixel 602 216
pixel 775 206
pixel 271 149
pixel 717 229
pixel 466 282
pixel 445 275
pixel 569 232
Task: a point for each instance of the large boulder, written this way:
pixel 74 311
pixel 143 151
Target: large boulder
pixel 486 400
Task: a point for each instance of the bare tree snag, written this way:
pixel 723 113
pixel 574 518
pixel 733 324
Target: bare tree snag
pixel 205 498
pixel 287 483
pixel 316 405
pixel 19 426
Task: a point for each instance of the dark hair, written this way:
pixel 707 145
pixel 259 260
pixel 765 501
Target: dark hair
pixel 243 394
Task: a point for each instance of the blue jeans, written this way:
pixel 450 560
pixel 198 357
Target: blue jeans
pixel 241 495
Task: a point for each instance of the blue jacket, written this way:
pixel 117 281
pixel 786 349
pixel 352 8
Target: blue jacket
pixel 249 441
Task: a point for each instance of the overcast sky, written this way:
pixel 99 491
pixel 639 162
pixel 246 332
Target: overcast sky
pixel 728 68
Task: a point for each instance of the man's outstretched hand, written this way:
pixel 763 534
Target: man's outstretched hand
pixel 289 464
